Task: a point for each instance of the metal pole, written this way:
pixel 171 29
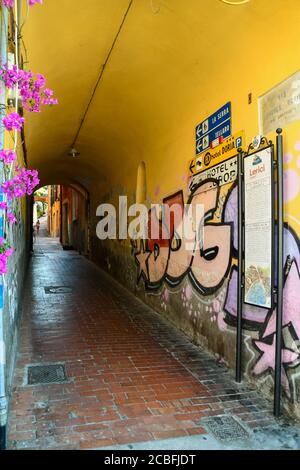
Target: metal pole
pixel 239 316
pixel 280 228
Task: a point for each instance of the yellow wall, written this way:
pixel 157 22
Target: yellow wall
pixel 55 219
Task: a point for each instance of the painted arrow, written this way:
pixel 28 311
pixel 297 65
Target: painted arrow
pixel 199 146
pixel 198 130
pixel 192 165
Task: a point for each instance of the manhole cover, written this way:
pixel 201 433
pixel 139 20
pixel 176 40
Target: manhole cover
pixel 225 428
pixel 46 374
pixel 58 290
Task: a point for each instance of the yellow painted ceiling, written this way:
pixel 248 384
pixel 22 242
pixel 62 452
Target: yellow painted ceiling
pixel 168 69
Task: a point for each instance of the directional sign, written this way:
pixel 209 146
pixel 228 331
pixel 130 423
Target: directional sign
pixel 224 130
pixel 225 172
pixel 213 127
pixel 217 155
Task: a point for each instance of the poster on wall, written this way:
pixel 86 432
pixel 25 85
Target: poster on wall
pixel 258 228
pixel 280 106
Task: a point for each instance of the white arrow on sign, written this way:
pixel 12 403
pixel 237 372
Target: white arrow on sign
pixel 198 130
pixel 199 146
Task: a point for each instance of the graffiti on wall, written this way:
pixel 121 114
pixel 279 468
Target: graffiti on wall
pixel 208 276
pixel 168 260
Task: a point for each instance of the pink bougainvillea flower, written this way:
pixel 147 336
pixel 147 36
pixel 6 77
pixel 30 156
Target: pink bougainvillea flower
pixel 5 252
pixel 33 2
pixel 13 121
pixel 10 3
pixel 8 156
pixel 24 182
pixel 32 91
pixel 9 252
pixel 49 101
pixel 3 263
pixel 11 218
pixel 3 206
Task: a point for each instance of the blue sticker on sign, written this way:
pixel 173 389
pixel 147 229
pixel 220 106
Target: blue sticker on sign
pixel 224 130
pixel 239 142
pixel 221 116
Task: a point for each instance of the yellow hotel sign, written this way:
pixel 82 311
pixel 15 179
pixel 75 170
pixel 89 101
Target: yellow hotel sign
pixel 211 157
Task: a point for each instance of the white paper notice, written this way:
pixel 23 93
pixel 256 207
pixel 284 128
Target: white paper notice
pixel 258 228
pixel 281 105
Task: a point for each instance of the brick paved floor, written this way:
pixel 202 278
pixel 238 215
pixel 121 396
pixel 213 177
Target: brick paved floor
pixel 133 376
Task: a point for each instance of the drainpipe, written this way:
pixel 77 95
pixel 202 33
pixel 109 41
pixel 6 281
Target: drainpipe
pixel 3 396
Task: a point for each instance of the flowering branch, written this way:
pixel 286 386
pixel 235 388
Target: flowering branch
pixel 32 89
pixel 33 94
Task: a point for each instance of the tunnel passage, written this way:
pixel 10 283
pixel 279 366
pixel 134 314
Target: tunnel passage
pixel 64 211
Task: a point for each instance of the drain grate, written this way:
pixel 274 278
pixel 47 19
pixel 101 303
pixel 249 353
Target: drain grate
pixel 225 428
pixel 46 374
pixel 58 290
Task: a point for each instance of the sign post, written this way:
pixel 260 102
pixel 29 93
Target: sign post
pixel 240 281
pixel 280 261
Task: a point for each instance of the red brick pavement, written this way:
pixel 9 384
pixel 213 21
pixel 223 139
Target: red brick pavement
pixel 133 376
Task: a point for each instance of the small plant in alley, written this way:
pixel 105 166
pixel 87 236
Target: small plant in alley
pixel 30 93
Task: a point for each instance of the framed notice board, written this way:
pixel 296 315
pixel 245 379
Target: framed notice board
pixel 259 228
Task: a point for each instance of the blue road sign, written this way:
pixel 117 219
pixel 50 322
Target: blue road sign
pixel 224 130
pixel 215 120
pixel 239 142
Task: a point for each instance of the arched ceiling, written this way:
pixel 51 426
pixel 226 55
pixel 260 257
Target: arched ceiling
pixel 162 59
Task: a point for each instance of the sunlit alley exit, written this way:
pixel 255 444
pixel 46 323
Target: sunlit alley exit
pixel 149 225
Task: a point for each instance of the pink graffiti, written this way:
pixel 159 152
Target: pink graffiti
pixel 267 360
pixel 188 292
pixel 157 190
pixel 291 185
pixel 288 157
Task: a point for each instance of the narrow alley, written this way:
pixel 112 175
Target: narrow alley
pixel 149 226
pixel 131 376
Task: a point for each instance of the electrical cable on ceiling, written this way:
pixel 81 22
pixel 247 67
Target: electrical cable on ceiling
pixel 101 73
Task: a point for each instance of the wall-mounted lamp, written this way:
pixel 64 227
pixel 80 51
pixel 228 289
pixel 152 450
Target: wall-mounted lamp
pixel 73 153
